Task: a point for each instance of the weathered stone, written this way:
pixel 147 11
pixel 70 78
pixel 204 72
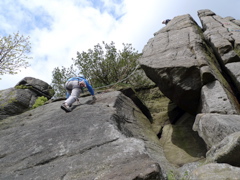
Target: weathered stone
pixel 237 22
pixel 19 99
pixel 158 105
pixel 185 170
pixel 227 151
pixel 222 34
pixel 206 75
pixel 15 101
pixel 109 139
pixel 229 18
pixel 233 71
pixel 215 100
pixel 118 138
pixel 172 60
pixel 205 12
pixel 177 150
pixel 131 94
pixel 179 61
pixel 230 57
pixel 214 32
pixel 213 128
pixel 40 87
pixel 188 66
pixel 215 172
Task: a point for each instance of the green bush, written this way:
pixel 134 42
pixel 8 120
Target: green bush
pixel 104 66
pixel 39 101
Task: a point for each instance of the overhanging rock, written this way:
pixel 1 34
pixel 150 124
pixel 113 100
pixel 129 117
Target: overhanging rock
pixel 181 58
pixel 173 58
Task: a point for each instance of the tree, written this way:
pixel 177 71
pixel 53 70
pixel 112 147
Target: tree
pixel 106 65
pixel 103 66
pixel 12 53
pixel 60 76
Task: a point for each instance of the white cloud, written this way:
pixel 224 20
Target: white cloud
pixel 73 28
pixel 60 28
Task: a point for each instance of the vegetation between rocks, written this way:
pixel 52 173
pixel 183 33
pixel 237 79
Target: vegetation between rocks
pixel 39 102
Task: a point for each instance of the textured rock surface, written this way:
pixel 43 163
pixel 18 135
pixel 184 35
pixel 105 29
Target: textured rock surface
pixel 227 151
pixel 224 37
pixel 107 140
pixel 197 69
pixel 172 60
pixel 180 144
pixel 40 87
pixel 215 171
pixel 180 62
pixel 213 128
pixel 17 100
pixel 215 100
pixel 157 104
pixel 197 108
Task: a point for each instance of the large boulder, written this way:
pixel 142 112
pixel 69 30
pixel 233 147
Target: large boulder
pixel 15 101
pixel 22 97
pixel 172 59
pixel 227 151
pixel 197 69
pixel 214 99
pixel 181 59
pixel 40 87
pixel 213 127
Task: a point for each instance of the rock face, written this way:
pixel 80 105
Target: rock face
pixel 227 151
pixel 198 70
pixel 40 87
pixel 180 62
pixel 111 139
pixel 19 99
pixel 172 61
pixel 213 128
pixel 189 128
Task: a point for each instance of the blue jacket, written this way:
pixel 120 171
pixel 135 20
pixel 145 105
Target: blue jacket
pixel 89 87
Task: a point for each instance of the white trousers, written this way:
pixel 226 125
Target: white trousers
pixel 73 88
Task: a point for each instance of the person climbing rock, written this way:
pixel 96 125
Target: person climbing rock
pixel 73 87
pixel 166 21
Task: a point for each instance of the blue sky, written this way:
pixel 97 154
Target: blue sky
pixel 59 28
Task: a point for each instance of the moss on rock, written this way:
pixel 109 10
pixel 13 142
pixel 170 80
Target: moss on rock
pixel 157 104
pixel 181 144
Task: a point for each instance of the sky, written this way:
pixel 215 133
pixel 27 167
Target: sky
pixel 58 29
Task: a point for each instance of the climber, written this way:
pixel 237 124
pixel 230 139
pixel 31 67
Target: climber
pixel 166 21
pixel 73 87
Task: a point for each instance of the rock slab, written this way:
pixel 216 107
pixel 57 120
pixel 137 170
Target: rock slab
pixel 110 139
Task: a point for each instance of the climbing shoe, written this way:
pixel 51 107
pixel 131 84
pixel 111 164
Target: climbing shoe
pixel 66 107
